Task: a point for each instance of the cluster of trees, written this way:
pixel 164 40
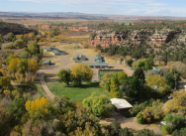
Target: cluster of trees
pixel 77 74
pixel 23 69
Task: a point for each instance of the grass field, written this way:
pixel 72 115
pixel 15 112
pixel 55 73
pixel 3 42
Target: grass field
pixel 76 94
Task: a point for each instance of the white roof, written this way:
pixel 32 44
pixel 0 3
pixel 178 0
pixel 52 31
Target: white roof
pixel 120 103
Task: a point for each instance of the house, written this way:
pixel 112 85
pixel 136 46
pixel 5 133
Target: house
pixel 83 57
pixel 55 52
pixel 121 105
pixel 99 59
pixel 46 62
pixel 98 65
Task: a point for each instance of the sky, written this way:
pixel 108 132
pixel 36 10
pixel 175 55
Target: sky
pixel 175 8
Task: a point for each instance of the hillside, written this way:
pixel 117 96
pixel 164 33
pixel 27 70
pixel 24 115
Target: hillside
pixel 5 28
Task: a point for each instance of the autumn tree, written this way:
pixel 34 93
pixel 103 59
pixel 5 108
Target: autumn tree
pixel 22 66
pixel 12 67
pixel 18 44
pixel 33 48
pixel 81 73
pixel 100 105
pixel 78 119
pixel 65 76
pixel 33 65
pixel 151 113
pixel 177 104
pixel 9 37
pixel 37 108
pixel 158 83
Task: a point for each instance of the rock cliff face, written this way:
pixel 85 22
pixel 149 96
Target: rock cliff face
pixel 106 40
pixel 136 37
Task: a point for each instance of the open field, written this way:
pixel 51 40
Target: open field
pixel 76 94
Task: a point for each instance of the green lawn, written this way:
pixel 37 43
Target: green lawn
pixel 76 94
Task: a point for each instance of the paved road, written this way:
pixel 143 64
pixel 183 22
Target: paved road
pixel 44 85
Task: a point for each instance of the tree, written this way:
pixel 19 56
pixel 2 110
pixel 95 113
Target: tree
pixel 33 65
pixel 33 48
pixel 181 132
pixel 173 122
pixel 151 113
pixel 177 104
pixel 129 62
pixel 132 87
pixel 22 66
pixel 37 108
pixel 158 83
pixel 79 118
pixel 176 75
pixel 139 74
pixel 9 37
pixel 114 128
pixel 100 105
pixel 145 132
pixel 18 44
pixel 81 73
pixel 65 76
pixel 17 107
pixel 125 132
pixel 12 67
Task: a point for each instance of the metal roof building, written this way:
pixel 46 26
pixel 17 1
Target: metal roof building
pixel 121 104
pixel 55 52
pixel 46 62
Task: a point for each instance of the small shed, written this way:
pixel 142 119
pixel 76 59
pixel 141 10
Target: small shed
pixel 121 105
pixel 47 49
pixel 55 52
pixel 46 62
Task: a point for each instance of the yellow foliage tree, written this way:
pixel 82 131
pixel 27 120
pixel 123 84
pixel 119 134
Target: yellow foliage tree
pixel 177 104
pixel 33 65
pixel 81 73
pixel 12 67
pixel 37 108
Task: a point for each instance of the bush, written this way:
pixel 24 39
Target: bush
pixel 140 118
pixel 125 132
pixel 145 132
pixel 137 108
pixel 173 122
pixel 129 62
pixel 114 128
pixel 182 132
pixel 10 46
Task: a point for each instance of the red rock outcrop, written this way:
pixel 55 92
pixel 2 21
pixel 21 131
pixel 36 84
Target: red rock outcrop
pixel 106 40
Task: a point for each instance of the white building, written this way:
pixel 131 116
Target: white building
pixel 121 104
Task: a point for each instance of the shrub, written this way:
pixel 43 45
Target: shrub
pixel 10 46
pixel 114 128
pixel 125 132
pixel 181 132
pixel 140 118
pixel 145 132
pixel 129 62
pixel 173 122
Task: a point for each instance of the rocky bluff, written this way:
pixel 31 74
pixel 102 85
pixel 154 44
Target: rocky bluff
pixel 137 36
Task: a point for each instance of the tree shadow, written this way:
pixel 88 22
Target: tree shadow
pixel 93 84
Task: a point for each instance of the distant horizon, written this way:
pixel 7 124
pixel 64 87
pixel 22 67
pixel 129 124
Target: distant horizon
pixel 32 12
pixel 170 8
